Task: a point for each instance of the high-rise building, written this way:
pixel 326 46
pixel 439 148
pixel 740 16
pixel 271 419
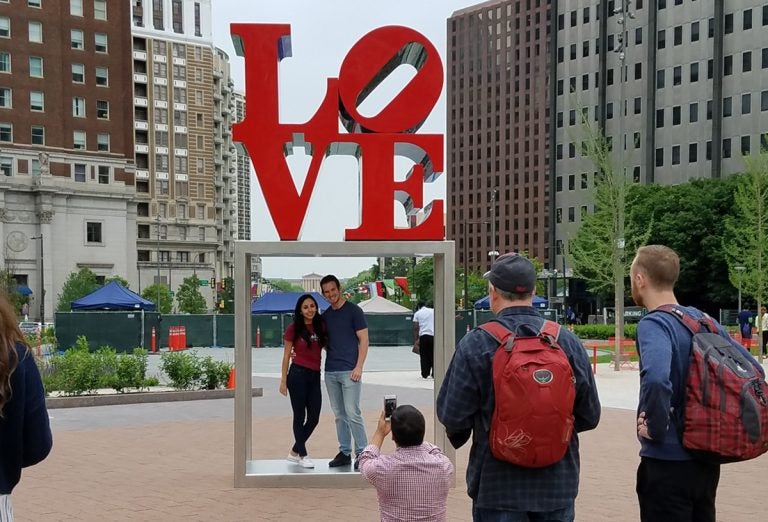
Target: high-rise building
pixel 497 130
pixel 693 100
pixel 243 175
pixel 66 144
pixel 181 97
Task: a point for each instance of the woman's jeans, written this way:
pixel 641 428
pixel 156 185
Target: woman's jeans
pixel 306 399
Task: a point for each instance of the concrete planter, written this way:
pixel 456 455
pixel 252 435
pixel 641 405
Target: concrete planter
pixel 112 399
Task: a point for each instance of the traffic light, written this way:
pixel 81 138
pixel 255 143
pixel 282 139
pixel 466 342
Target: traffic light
pixel 223 284
pixel 221 304
pixel 213 282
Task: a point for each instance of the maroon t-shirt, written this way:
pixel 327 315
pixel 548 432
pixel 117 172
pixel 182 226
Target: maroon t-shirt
pixel 307 355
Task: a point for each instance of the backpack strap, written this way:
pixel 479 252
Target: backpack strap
pixel 550 329
pixel 692 323
pixel 499 332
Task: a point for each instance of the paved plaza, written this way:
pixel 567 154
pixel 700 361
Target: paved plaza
pixel 174 461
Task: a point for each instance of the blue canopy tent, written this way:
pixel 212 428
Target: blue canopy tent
pixel 284 302
pixel 485 303
pixel 23 290
pixel 112 296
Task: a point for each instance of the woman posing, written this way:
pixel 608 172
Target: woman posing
pixel 25 434
pixel 305 338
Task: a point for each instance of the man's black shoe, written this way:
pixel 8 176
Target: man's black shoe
pixel 357 463
pixel 341 459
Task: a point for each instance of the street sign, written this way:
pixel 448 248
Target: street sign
pixel 202 282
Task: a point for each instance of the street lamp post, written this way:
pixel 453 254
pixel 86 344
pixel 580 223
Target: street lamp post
pixel 158 262
pixel 740 269
pixel 493 253
pixel 42 280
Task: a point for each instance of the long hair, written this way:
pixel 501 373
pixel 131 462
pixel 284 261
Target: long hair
pixel 301 330
pixel 9 336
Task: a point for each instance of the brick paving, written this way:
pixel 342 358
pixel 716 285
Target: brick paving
pixel 183 471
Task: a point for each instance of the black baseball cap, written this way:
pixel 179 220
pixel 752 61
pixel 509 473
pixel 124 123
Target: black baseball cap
pixel 512 273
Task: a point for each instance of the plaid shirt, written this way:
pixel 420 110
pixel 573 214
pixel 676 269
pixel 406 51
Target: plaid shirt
pixel 466 402
pixel 412 483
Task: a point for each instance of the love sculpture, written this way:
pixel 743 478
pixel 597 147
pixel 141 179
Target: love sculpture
pixel 374 140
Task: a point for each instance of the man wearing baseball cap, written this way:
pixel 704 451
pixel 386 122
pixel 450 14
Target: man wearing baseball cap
pixel 501 490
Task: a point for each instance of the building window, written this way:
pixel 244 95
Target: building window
pixel 764 101
pixel 659 157
pixel 102 109
pixel 38 135
pixel 165 255
pixel 102 142
pixel 747 19
pixel 5 98
pixel 676 155
pixel 100 41
pixel 78 107
pixel 571 214
pixel 102 76
pixel 198 32
pixel 659 118
pixel 572 182
pixel 661 41
pixel 104 173
pixel 6 132
pixel 710 68
pixel 93 232
pixel 161 187
pixel 726 148
pixel 746 103
pixel 36 101
pixel 678 35
pixel 676 115
pixel 746 61
pixel 559 215
pixel 35 67
pixel 693 153
pixel 79 172
pixel 6 166
pixel 157 14
pixel 708 151
pixel 727 106
pixel 35 32
pixel 660 79
pixel 728 65
pixel 709 110
pixel 162 210
pixel 638 71
pixel 182 257
pixel 638 36
pixel 695 32
pixel 100 9
pixel 693 112
pixel 638 105
pixel 178 16
pixel 76 7
pixel 201 232
pixel 728 23
pixel 35 3
pixel 695 72
pixel 745 145
pixel 677 75
pixel 78 73
pixel 78 138
pixel 76 39
pixel 5 27
pixel 637 139
pixel 5 62
pixel 181 211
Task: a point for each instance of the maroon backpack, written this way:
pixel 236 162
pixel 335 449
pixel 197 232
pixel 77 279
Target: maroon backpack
pixel 534 391
pixel 726 397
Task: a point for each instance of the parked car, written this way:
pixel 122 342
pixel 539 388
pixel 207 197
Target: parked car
pixel 29 327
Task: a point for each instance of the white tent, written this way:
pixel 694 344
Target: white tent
pixel 379 305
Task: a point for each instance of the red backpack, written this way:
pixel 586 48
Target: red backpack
pixel 726 398
pixel 534 392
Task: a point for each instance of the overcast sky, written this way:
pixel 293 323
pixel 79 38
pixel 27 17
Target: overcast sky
pixel 322 32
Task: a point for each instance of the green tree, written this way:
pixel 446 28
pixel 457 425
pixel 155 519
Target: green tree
pixel 9 288
pixel 746 242
pixel 284 286
pixel 393 267
pixel 123 282
pixel 152 292
pixel 77 285
pixel 690 218
pixel 598 252
pixel 188 295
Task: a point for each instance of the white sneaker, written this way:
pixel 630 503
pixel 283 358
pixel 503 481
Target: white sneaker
pixel 293 458
pixel 306 462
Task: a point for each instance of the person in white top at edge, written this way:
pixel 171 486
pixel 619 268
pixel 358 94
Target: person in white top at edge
pixel 424 337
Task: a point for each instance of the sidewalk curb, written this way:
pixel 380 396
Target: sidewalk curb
pixel 142 398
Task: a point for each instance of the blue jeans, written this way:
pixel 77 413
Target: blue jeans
pixel 344 395
pixel 306 400
pixel 496 515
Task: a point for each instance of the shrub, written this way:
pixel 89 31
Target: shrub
pixel 183 369
pixel 131 370
pixel 603 331
pixel 215 373
pixel 77 372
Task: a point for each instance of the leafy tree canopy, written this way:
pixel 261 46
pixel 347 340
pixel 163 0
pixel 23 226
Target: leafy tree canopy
pixel 152 292
pixel 188 295
pixel 121 280
pixel 77 285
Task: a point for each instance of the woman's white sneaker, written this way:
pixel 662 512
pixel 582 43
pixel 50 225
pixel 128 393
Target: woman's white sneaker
pixel 306 462
pixel 293 458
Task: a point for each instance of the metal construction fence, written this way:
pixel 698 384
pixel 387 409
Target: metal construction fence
pixel 124 331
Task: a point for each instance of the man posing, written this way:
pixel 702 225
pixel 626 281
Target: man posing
pixel 671 485
pixel 424 337
pixel 502 491
pixel 344 359
pixel 413 482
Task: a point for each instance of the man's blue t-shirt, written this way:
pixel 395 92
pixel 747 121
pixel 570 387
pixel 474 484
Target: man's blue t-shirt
pixel 343 325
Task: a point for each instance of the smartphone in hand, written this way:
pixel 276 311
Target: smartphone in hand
pixel 390 403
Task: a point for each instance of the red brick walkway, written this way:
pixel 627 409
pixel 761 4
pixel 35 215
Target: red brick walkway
pixel 183 471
